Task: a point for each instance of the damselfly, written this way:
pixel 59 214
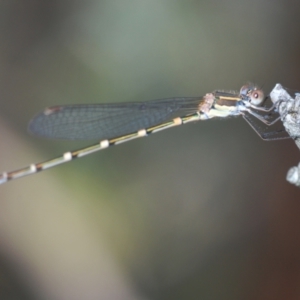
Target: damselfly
pixel 113 124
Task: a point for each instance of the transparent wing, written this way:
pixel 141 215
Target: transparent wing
pixel 105 121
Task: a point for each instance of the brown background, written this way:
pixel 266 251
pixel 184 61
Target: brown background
pixel 202 211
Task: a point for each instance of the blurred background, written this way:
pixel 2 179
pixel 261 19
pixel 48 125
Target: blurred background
pixel 201 211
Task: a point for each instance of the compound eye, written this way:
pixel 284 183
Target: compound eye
pixel 256 97
pixel 245 89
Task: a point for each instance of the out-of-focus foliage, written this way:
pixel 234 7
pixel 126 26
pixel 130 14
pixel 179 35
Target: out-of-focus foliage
pixel 197 212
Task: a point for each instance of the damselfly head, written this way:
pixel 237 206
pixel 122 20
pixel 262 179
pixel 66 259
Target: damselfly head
pixel 252 94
